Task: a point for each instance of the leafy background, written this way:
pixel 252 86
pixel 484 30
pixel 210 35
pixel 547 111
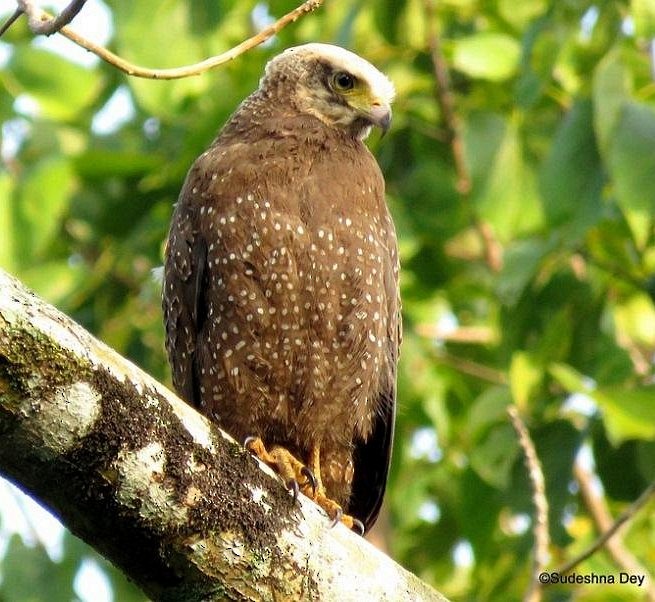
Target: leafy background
pixel 535 287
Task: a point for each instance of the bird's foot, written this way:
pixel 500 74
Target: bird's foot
pixel 299 477
pixel 296 476
pixel 335 512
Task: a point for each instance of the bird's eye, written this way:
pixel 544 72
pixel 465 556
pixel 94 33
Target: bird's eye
pixel 342 81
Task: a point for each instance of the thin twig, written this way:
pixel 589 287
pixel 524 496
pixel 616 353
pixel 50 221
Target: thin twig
pixel 446 101
pixel 627 514
pixel 601 516
pixel 188 70
pixel 541 536
pixel 466 366
pixel 492 250
pixel 49 25
pixel 477 335
pixel 10 21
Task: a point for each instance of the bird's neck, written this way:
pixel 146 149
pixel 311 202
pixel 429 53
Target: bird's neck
pixel 264 113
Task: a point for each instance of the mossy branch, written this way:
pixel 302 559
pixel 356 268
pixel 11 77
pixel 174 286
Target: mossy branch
pixel 175 503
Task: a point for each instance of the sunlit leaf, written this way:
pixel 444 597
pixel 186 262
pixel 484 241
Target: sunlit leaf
pixel 43 199
pixel 570 379
pixel 524 377
pixel 61 88
pixel 101 163
pixel 611 90
pixel 519 14
pixel 643 13
pixel 510 201
pixel 56 281
pixel 628 414
pixel 635 318
pixel 632 165
pixel 492 56
pixel 169 23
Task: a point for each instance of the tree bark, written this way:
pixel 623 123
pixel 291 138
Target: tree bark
pixel 173 501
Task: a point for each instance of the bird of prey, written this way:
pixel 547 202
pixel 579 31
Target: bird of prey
pixel 280 294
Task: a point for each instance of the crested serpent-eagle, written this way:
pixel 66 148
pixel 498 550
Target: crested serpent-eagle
pixel 281 280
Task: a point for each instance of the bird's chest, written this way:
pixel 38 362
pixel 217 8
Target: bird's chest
pixel 299 304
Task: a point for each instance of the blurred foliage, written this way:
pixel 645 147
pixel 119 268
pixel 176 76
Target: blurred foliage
pixel 556 109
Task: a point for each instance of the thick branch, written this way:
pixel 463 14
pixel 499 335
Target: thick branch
pixel 178 505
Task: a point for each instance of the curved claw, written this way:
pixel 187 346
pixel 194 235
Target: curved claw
pixel 309 475
pixel 292 486
pixel 358 527
pixel 248 440
pixel 337 518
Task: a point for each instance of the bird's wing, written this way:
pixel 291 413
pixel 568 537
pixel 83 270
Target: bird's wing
pixel 371 460
pixel 372 457
pixel 182 298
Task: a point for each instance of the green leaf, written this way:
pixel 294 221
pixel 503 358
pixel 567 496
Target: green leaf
pixel 570 379
pixel 525 376
pixel 491 56
pixel 28 574
pixel 104 163
pixel 55 281
pixel 611 90
pixel 7 226
pixel 385 17
pixel 493 457
pixel 632 166
pixel 619 467
pixel 509 201
pixel 628 414
pixel 489 409
pixel 634 317
pixel 557 444
pixel 521 262
pixel 61 88
pixel 572 176
pixel 44 196
pixel 643 14
pixel 519 14
pixel 167 42
pixel 483 133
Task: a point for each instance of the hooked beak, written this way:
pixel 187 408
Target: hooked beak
pixel 380 115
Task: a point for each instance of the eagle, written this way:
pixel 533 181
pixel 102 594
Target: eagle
pixel 280 293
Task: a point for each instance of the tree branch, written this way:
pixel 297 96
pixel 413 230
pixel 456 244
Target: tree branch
pixel 601 516
pixel 173 501
pixel 49 25
pixel 604 538
pixel 188 70
pixel 446 100
pixel 470 367
pixel 535 472
pixel 10 21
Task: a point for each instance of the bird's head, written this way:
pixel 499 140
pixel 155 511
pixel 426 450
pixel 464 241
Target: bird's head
pixel 334 85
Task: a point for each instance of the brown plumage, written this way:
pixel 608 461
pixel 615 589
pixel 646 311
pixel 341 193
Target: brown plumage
pixel 281 278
